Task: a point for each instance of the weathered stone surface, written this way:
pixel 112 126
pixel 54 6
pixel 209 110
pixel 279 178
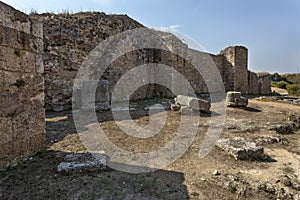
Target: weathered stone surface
pixel 234 99
pixel 264 87
pixel 70 38
pixel 175 107
pixel 238 57
pixel 252 83
pixel 185 110
pixel 193 103
pixel 15 19
pixel 82 162
pixel 22 125
pixel 241 149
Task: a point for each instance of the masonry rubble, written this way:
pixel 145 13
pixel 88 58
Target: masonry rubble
pixel 240 148
pixel 235 99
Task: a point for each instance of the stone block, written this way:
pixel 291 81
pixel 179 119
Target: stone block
pixel 82 162
pixel 11 104
pixel 10 78
pixel 241 149
pixel 34 44
pixel 22 125
pixel 20 40
pixel 11 38
pixel 17 60
pixel 15 19
pixel 234 99
pixel 193 103
pixel 37 27
pixel 33 82
pixel 36 143
pixel 29 122
pixel 20 148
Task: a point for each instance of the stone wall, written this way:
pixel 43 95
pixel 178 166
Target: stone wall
pixel 264 86
pixel 22 128
pixel 69 38
pixel 253 83
pixel 238 57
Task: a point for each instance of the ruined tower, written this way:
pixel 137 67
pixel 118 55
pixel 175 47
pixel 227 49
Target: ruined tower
pixel 238 57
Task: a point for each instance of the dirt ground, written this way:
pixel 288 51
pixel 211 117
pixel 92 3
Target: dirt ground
pixel 275 176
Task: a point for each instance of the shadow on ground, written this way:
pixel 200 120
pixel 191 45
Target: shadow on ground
pixel 38 179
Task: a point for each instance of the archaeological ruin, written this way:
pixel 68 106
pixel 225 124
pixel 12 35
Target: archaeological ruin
pixel 40 55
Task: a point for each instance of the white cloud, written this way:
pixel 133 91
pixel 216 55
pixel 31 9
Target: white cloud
pixel 170 28
pixel 175 29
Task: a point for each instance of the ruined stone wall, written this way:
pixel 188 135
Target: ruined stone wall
pixel 238 57
pixel 22 118
pixel 183 65
pixel 264 83
pixel 226 70
pixel 68 39
pixel 253 83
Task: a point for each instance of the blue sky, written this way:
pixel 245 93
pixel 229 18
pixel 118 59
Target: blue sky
pixel 270 29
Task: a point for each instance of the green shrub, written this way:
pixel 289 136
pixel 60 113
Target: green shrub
pixel 277 77
pixel 293 89
pixel 281 84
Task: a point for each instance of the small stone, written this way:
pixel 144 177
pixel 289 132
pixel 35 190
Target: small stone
pixel 288 128
pixel 216 173
pixel 56 108
pixel 286 181
pixel 195 194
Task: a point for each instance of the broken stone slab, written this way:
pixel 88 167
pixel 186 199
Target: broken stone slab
pixel 241 149
pixel 193 103
pixel 235 99
pixel 82 162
